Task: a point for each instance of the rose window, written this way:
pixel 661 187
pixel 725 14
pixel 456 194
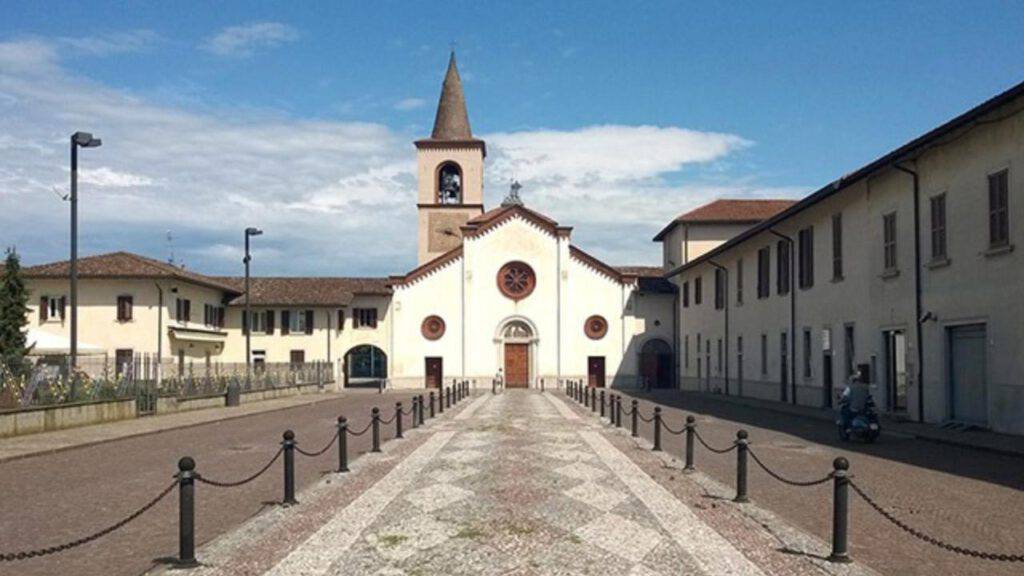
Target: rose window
pixel 516 280
pixel 432 327
pixel 595 327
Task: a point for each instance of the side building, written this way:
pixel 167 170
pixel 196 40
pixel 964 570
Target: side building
pixel 907 264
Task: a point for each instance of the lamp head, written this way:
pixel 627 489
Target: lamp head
pixel 85 140
pixel 253 232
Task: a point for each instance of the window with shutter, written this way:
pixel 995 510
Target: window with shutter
pixel 784 272
pixel 270 322
pixel 309 321
pixel 697 289
pixel 686 294
pixel 764 257
pixel 998 209
pixel 806 270
pixel 63 303
pixel 285 321
pixel 44 309
pixel 341 320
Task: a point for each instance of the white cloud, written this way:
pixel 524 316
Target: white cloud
pixel 410 104
pixel 332 197
pixel 242 41
pixel 112 43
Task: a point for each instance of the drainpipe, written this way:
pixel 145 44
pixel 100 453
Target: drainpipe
pixel 725 302
pixel 558 312
pixel 792 314
pixel 917 289
pixel 159 331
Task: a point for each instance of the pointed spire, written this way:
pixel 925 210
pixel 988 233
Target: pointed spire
pixel 452 120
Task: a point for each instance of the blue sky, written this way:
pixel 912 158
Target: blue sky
pixel 299 117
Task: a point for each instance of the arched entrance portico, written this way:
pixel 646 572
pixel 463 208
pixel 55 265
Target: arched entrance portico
pixel 365 365
pixel 516 341
pixel 656 364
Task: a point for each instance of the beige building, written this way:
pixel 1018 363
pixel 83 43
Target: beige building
pixel 498 292
pixel 907 265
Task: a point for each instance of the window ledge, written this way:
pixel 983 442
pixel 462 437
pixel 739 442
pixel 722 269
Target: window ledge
pixel 938 263
pixel 998 251
pixel 890 274
pixel 838 279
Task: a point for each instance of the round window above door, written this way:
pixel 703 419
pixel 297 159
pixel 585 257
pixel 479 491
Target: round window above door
pixel 432 327
pixel 516 280
pixel 595 327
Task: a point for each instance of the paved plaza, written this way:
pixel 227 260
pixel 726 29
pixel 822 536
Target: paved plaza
pixel 514 483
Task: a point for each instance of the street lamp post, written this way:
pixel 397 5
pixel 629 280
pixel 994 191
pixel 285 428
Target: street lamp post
pixel 249 232
pixel 84 140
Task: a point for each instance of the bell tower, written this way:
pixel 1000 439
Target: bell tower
pixel 450 172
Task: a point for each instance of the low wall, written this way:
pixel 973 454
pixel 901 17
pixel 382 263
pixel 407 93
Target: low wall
pixel 271 393
pixel 173 404
pixel 47 418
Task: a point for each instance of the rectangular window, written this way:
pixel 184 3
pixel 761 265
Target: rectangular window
pixel 938 204
pixel 124 308
pixel 837 246
pixel 889 240
pixel 364 317
pixel 686 294
pixel 719 357
pixel 297 356
pixel 719 288
pixel 298 321
pixel 848 349
pixel 258 322
pixel 183 309
pixel 739 282
pixel 123 360
pixel 998 209
pixel 697 289
pixel 698 357
pixel 341 320
pixel 784 271
pixel 806 270
pixel 764 353
pixel 807 353
pixel 214 316
pixel 764 257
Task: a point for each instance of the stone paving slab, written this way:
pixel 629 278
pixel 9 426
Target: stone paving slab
pixel 515 484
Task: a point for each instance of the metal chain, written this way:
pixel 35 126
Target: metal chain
pixel 787 480
pixel 708 446
pixel 13 556
pixel 361 432
pixel 641 416
pixel 389 420
pixel 318 452
pixel 931 539
pixel 219 484
pixel 671 431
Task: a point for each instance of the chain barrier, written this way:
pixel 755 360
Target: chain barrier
pixel 318 452
pixel 220 484
pixel 641 416
pixel 361 432
pixel 998 557
pixel 783 479
pixel 389 420
pixel 709 447
pixel 679 432
pixel 24 555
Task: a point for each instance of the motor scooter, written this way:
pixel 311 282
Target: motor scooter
pixel 857 415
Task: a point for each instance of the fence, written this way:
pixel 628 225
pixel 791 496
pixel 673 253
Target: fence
pixel 51 381
pixel 840 476
pixel 187 477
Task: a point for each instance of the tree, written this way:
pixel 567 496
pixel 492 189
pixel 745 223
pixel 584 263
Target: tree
pixel 13 316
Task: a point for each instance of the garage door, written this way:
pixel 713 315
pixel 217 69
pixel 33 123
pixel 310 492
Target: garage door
pixel 968 386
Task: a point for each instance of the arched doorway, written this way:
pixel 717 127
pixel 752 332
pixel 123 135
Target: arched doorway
pixel 365 365
pixel 656 364
pixel 516 340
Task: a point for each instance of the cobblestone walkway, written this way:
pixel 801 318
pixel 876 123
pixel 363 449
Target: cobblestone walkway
pixel 514 484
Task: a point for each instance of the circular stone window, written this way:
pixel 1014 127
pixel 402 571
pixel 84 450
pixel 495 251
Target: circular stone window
pixel 432 327
pixel 516 280
pixel 596 327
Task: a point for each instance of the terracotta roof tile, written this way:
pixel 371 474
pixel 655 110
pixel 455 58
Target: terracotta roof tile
pixel 649 278
pixel 304 291
pixel 727 211
pixel 124 265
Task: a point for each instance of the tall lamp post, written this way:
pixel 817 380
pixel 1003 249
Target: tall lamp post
pixel 78 140
pixel 249 232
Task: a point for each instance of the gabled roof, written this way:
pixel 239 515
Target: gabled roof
pixel 488 220
pixel 600 266
pixel 728 211
pixel 649 278
pixel 304 291
pixel 908 151
pixel 125 265
pixel 427 267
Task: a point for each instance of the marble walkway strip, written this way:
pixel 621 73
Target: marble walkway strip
pixel 707 547
pixel 564 410
pixel 475 405
pixel 317 554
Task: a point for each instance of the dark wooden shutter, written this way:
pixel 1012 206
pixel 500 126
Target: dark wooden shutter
pixel 341 320
pixel 270 321
pixel 63 303
pixel 309 321
pixel 285 321
pixel 44 309
pixel 188 310
pixel 245 322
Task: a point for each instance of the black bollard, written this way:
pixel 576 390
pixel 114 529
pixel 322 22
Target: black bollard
pixel 421 408
pixel 617 403
pixel 432 404
pixel 398 419
pixel 593 400
pixel 494 385
pixel 586 398
pixel 186 513
pixel 375 429
pixel 342 444
pixel 741 467
pixel 415 414
pixel 634 422
pixel 602 403
pixel 541 385
pixel 440 400
pixel 690 431
pixel 448 397
pixel 657 429
pixel 289 468
pixel 840 510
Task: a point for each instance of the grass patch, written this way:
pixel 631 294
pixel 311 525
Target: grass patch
pixel 521 530
pixel 470 532
pixel 392 540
